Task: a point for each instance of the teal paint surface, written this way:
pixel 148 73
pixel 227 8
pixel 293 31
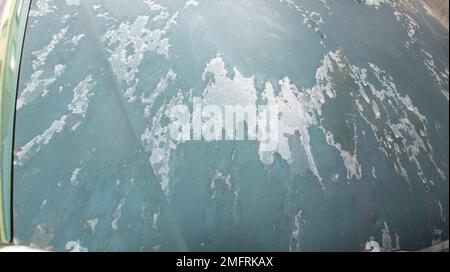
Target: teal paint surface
pixel 365 148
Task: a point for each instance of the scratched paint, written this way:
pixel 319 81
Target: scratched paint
pixel 363 151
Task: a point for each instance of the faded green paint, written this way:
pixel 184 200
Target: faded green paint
pixel 12 27
pixel 363 160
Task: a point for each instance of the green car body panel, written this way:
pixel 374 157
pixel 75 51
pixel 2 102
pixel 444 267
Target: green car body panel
pixel 12 30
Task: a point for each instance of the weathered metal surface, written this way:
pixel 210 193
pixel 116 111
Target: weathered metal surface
pixel 363 155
